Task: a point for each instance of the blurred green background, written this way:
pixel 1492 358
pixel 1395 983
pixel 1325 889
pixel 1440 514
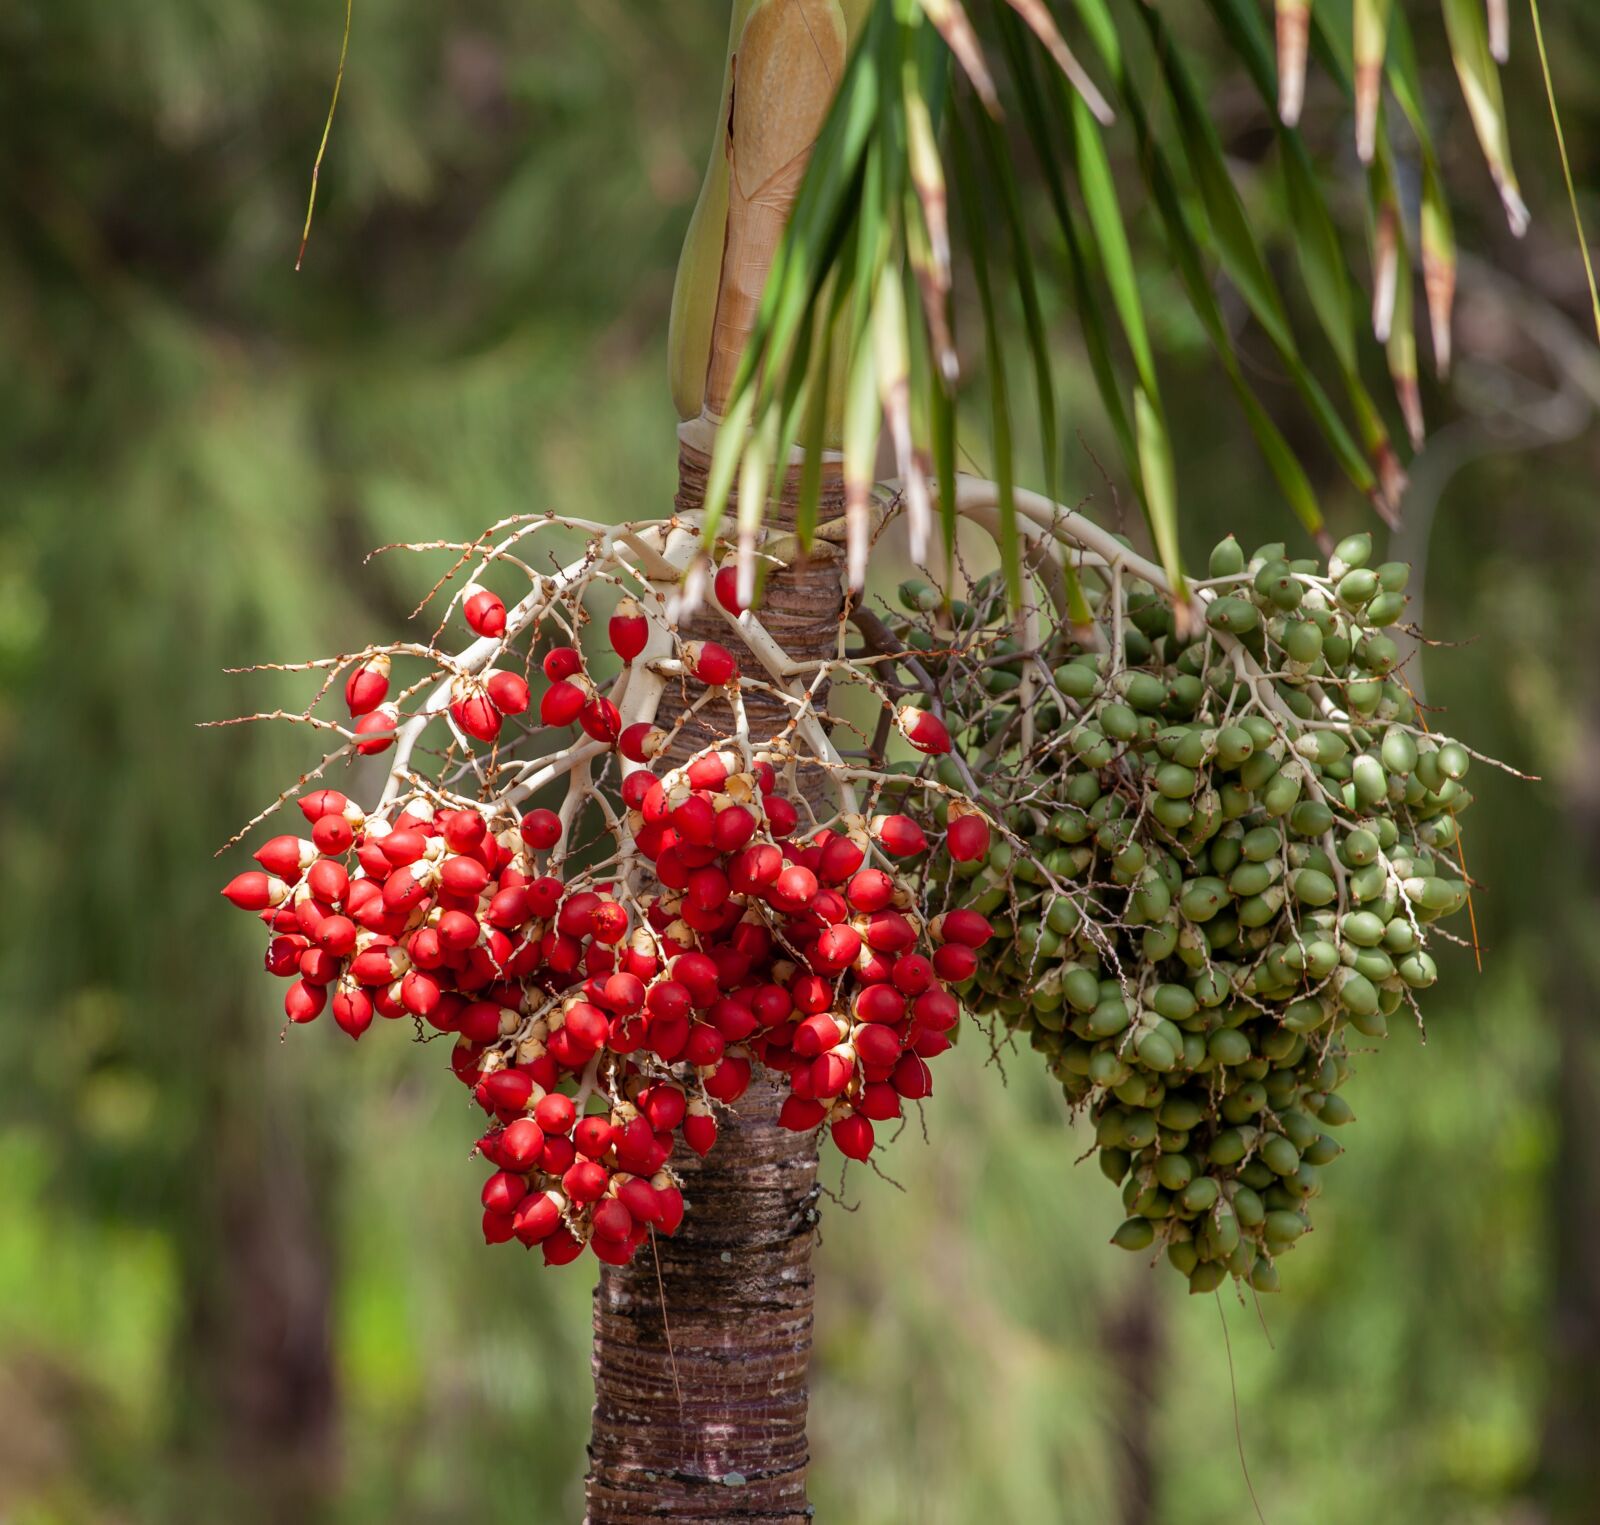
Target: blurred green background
pixel 241 1279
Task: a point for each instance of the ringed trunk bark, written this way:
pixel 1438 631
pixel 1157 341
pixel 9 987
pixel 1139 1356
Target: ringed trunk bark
pixel 701 1348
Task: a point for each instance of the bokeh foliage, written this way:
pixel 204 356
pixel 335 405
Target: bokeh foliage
pixel 197 447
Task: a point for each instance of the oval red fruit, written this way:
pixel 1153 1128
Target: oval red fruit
pixel 712 664
pixel 628 629
pixel 562 703
pixel 508 692
pixel 484 611
pixel 923 729
pixel 367 686
pixel 376 730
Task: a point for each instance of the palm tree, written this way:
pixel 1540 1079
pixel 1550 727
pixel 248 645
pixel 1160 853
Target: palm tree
pixel 814 313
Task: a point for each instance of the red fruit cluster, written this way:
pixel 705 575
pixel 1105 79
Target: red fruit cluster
pixel 597 1022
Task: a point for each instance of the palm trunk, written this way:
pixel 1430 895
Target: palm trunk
pixel 702 1342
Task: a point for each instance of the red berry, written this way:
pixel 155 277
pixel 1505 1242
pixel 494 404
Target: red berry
pixel 898 835
pixel 283 955
pixel 609 922
pixel 562 662
pixel 541 829
pixel 628 629
pixel 955 962
pixel 367 686
pixel 831 1074
pixel 671 1201
pixel 285 857
pixel 623 993
pixel 502 1191
pixel 936 1009
pixel 811 994
pixel 332 835
pixel 835 949
pixel 800 1116
pixel 880 1003
pixel 328 879
pixel 641 1199
pixel 611 1220
pixel 587 1024
pixel 509 1090
pixel 321 802
pixel 870 890
pixel 795 888
pixel 475 714
pixel 508 691
pixel 561 1248
pixel 304 1001
pixel 669 999
pixel 376 730
pixel 853 1136
pixel 967 839
pixel 594 1136
pixel 782 817
pixel 463 876
pixel 562 703
pixel 889 932
pixel 841 857
pixel 255 891
pixel 924 730
pixel 538 1217
pixel 463 830
pixel 879 1101
pixel 712 664
pixel 664 1105
pixel 484 611
pixel 601 719
pixel 961 926
pixel 912 974
pixel 522 1142
pixel 352 1010
pixel 640 742
pixel 555 1113
pixel 755 868
pixel 729 1081
pixel 725 585
pixel 700 1132
pixel 816 1035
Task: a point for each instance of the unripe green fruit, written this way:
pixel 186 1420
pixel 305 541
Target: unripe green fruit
pixel 1175 1171
pixel 1234 615
pixel 1311 887
pixel 1135 1234
pixel 1385 609
pixel 1234 745
pixel 1302 641
pixel 1264 1275
pixel 1336 1111
pixel 1283 1227
pixel 1114 1164
pixel 1352 551
pixel 1228 1046
pixel 1227 558
pixel 1207 1277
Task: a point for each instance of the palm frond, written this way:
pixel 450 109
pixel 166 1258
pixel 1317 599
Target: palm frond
pixel 871 242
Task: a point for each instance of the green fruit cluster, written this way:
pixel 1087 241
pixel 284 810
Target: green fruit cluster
pixel 1225 844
